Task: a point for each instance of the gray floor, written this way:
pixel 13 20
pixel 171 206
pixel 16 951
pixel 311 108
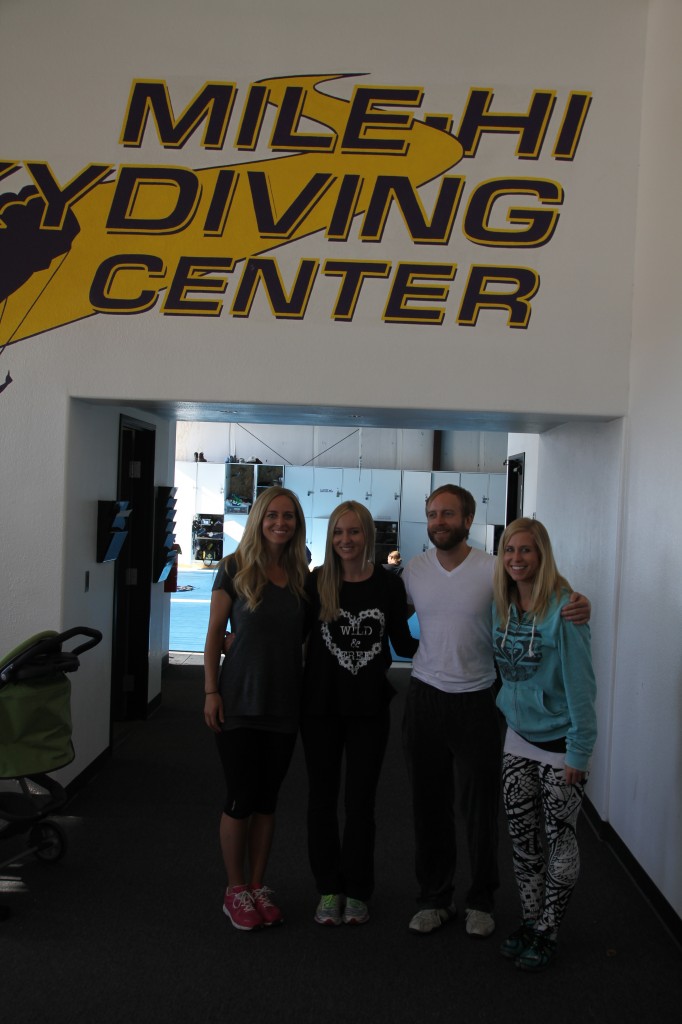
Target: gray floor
pixel 128 927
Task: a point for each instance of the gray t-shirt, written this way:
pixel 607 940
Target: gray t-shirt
pixel 262 672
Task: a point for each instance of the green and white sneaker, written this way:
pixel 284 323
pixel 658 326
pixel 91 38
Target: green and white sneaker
pixel 355 912
pixel 329 909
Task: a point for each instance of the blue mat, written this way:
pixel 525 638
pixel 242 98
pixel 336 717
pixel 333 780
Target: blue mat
pixel 190 607
pixel 189 611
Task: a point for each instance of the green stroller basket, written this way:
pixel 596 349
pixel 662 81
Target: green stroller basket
pixel 35 702
pixel 35 739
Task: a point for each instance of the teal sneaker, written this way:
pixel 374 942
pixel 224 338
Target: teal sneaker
pixel 538 955
pixel 519 940
pixel 329 909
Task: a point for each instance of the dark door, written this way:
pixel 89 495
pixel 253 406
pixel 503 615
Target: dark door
pixel 516 465
pixel 133 573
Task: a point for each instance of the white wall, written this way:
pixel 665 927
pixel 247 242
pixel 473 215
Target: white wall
pixel 91 476
pixel 65 460
pixel 645 806
pixel 472 451
pixel 578 336
pixel 579 500
pixel 610 495
pixel 298 445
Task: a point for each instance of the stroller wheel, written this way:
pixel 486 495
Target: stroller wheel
pixel 49 841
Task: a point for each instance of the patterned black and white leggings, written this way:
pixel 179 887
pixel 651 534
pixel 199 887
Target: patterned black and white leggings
pixel 532 791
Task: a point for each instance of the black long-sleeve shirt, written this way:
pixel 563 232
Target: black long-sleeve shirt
pixel 348 658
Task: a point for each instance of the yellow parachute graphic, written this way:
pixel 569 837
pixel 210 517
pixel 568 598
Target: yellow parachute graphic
pixel 59 293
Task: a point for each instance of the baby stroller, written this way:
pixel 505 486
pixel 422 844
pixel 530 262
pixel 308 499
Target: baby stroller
pixel 35 738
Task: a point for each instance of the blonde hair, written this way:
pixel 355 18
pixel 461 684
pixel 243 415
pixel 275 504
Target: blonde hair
pixel 330 575
pixel 548 582
pixel 251 556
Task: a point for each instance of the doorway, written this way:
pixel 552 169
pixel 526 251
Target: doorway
pixel 133 573
pixel 516 465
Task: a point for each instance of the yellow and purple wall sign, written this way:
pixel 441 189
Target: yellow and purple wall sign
pixel 306 165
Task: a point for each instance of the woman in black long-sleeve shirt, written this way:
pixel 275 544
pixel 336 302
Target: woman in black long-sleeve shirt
pixel 357 607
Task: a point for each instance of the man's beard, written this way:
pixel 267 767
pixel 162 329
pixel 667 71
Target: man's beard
pixel 448 541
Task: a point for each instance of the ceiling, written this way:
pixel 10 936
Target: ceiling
pixel 353 416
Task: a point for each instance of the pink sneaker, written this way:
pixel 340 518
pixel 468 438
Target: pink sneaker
pixel 269 911
pixel 238 906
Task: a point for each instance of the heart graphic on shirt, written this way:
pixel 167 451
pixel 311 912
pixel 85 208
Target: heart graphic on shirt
pixel 353 631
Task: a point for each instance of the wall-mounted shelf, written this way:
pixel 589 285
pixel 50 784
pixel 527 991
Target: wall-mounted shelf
pixel 112 522
pixel 207 538
pixel 164 533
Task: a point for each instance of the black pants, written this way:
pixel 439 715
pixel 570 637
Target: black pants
pixel 450 737
pixel 342 861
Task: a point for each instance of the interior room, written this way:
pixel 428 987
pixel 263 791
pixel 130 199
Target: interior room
pixel 352 238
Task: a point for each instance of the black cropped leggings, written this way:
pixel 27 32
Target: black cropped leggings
pixel 255 762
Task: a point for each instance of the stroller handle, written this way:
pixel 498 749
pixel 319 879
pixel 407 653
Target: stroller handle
pixel 94 634
pixel 46 655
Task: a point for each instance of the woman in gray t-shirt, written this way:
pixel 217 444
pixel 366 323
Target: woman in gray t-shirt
pixel 252 703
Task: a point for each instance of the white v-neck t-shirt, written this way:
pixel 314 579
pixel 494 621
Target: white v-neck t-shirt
pixel 455 621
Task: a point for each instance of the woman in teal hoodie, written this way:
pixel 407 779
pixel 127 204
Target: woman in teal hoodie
pixel 547 697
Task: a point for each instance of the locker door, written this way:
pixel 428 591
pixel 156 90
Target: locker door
pixel 356 485
pixel 416 489
pixel 186 508
pixel 299 479
pixel 318 541
pixel 444 477
pixel 384 500
pixel 233 531
pixel 477 484
pixel 497 499
pixel 210 487
pixel 478 537
pixel 413 540
pixel 328 491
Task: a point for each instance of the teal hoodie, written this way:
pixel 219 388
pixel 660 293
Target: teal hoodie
pixel 548 686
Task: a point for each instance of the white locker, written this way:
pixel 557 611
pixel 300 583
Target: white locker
pixel 413 540
pixel 328 491
pixel 490 492
pixel 416 489
pixel 478 537
pixel 376 489
pixel 318 541
pixel 210 493
pixel 443 476
pixel 497 499
pixel 356 485
pixel 477 484
pixel 233 530
pixel 299 479
pixel 309 533
pixel 384 497
pixel 185 506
